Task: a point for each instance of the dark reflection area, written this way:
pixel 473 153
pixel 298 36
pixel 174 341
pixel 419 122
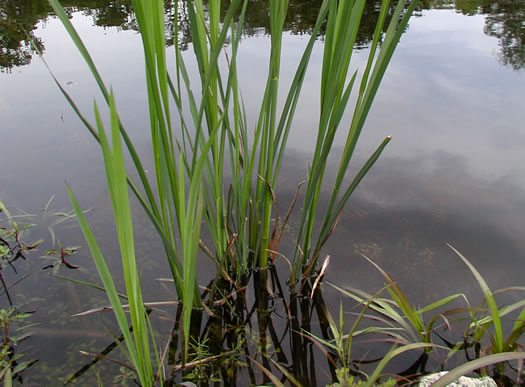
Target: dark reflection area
pixel 119 13
pixel 504 20
pixel 302 16
pixel 19 16
pixel 401 217
pixel 18 20
pixel 255 331
pixel 115 13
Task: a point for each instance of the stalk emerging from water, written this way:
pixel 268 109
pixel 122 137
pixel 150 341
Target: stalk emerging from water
pixel 341 31
pixel 192 157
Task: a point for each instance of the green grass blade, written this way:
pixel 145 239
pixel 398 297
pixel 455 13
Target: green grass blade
pixel 489 298
pixel 88 284
pixel 399 297
pixel 379 305
pixel 441 302
pixel 469 367
pixel 390 355
pixel 331 218
pixel 105 276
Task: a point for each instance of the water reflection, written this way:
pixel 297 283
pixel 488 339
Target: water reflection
pixel 114 13
pixel 404 213
pixel 504 20
pixel 301 18
pixel 18 19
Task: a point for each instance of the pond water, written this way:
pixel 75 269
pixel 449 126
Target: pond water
pixel 452 99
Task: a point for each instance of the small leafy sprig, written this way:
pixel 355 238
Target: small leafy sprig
pixel 12 245
pixel 60 257
pixel 10 368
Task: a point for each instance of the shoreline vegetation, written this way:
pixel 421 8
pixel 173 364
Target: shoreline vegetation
pixel 241 339
pixel 199 135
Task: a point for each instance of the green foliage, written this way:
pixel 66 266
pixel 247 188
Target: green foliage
pixel 138 344
pixel 59 257
pixel 342 345
pixel 214 141
pixel 479 327
pixel 200 373
pixel 341 31
pixel 405 324
pixel 124 378
pixel 10 365
pixel 12 245
pixel 219 126
pixel 491 302
pixel 347 380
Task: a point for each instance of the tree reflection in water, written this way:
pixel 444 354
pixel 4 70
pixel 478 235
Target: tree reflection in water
pixel 504 20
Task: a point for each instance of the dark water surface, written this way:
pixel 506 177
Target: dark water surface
pixel 453 100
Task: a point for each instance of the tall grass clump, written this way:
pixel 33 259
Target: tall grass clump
pixel 341 31
pixel 194 152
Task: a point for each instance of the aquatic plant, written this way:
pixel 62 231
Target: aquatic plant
pixel 13 246
pixel 409 320
pixel 342 345
pixel 396 319
pixel 479 328
pixel 14 234
pixel 11 364
pixel 226 347
pixel 191 163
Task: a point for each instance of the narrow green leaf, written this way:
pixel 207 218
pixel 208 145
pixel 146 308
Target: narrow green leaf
pixel 441 302
pixel 105 276
pixel 491 302
pixel 390 355
pixel 467 368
